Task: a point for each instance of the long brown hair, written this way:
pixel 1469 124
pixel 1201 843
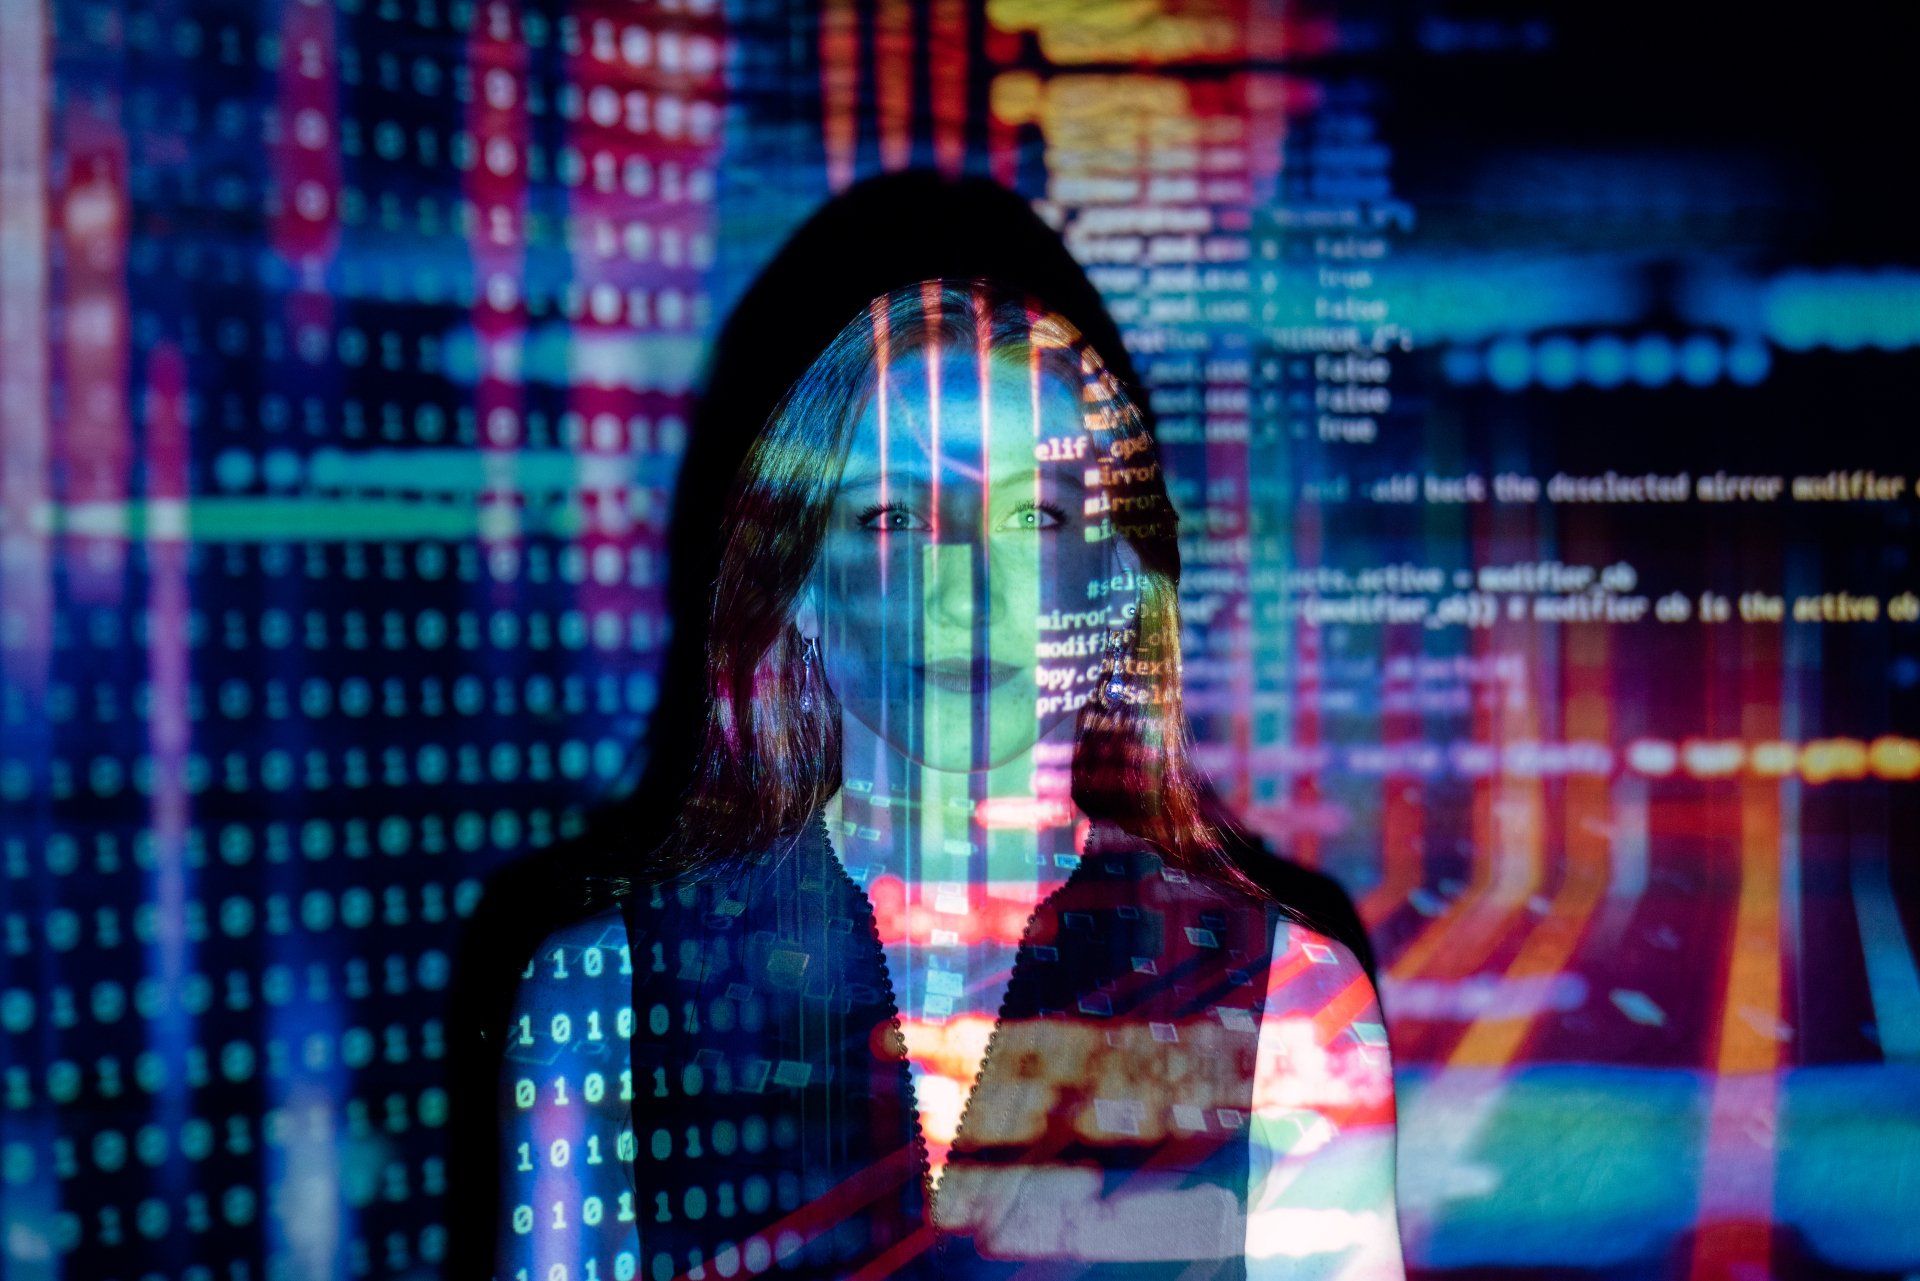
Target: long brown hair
pixel 771 755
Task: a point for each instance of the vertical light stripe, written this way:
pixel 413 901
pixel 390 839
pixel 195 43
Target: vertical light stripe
pixel 839 88
pixel 883 358
pixel 1888 952
pixel 930 304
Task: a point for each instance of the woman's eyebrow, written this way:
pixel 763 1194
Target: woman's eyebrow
pixel 865 477
pixel 1052 477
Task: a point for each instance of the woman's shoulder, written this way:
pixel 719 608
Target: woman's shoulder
pixel 601 926
pixel 1315 950
pixel 1317 977
pixel 583 960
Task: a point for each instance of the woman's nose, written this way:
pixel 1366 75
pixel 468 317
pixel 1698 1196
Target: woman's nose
pixel 964 587
pixel 949 579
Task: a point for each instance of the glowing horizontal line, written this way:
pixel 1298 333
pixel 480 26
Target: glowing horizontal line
pixel 467 470
pixel 242 520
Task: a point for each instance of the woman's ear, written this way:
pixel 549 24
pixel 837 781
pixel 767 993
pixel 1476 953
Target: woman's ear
pixel 806 611
pixel 1123 586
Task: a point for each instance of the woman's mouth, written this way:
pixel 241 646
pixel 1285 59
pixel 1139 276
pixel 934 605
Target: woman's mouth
pixel 965 675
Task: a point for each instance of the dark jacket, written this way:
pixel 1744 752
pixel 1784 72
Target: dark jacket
pixel 724 1091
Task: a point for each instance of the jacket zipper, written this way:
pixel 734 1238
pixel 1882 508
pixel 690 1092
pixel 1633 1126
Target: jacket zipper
pixel 899 1038
pixel 899 1041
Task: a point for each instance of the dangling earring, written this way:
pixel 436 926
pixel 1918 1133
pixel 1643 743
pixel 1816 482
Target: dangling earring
pixel 809 650
pixel 1113 681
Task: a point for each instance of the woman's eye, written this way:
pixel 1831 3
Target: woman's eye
pixel 1034 516
pixel 888 516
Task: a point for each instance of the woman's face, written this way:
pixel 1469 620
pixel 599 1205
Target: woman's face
pixel 963 584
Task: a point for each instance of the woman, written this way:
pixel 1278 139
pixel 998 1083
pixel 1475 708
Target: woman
pixel 945 972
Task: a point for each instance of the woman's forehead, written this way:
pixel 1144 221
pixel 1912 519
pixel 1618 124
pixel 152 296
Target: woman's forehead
pixel 998 406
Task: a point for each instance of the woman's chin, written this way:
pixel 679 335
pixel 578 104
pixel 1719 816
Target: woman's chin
pixel 954 754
